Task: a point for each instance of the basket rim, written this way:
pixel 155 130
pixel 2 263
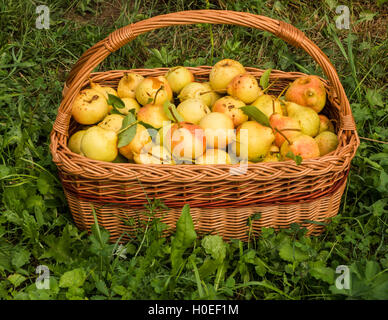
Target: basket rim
pixel 71 162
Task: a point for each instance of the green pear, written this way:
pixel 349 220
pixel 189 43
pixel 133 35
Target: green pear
pixel 99 144
pixel 74 143
pixel 327 142
pixel 308 118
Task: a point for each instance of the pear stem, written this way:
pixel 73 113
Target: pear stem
pixel 282 134
pixel 156 94
pixel 280 94
pixel 270 85
pixel 122 130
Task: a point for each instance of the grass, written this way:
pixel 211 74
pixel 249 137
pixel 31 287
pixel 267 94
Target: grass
pixel 36 227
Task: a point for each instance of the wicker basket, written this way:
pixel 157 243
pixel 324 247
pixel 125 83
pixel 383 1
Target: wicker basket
pixel 221 202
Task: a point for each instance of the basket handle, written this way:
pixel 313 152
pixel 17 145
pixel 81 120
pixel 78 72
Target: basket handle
pixel 96 54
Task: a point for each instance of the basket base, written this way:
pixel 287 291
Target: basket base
pixel 230 223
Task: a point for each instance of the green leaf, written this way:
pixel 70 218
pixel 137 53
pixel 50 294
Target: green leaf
pixel 101 286
pixel 214 245
pixel 264 79
pixel 20 258
pixel 16 279
pixel 319 271
pixel 4 171
pixel 256 115
pixel 291 253
pixel 44 183
pixel 374 98
pixel 171 112
pixel 298 159
pixel 74 278
pixel 115 101
pixel 372 268
pixel 185 236
pixel 127 131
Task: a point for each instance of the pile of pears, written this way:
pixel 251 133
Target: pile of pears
pixel 176 119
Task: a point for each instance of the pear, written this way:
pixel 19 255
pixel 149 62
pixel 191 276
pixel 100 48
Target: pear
pixel 112 122
pixel 89 107
pixel 130 103
pixel 127 85
pixel 273 154
pixel 214 156
pixel 223 72
pixel 219 130
pixel 162 138
pixel 302 145
pixel 253 141
pixel 153 154
pixel 140 139
pixel 231 107
pixel 325 124
pixel 99 144
pixel 307 117
pixel 178 77
pixel 327 142
pixel 193 90
pixel 153 90
pixel 244 87
pixel 188 141
pixel 105 90
pixel 307 91
pixel 265 103
pixel 210 96
pixel 287 126
pixel 152 114
pixel 74 143
pixel 193 110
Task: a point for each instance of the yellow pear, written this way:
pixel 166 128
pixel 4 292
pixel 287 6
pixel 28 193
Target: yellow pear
pixel 325 124
pixel 265 103
pixel 214 156
pixel 140 139
pixel 210 96
pixel 153 154
pixel 193 90
pixel 153 90
pixel 178 77
pixel 162 138
pixel 112 122
pixel 244 87
pixel 99 144
pixel 327 142
pixel 89 107
pixel 105 90
pixel 127 85
pixel 231 107
pixel 253 141
pixel 301 145
pixel 152 114
pixel 74 143
pixel 193 110
pixel 223 72
pixel 219 130
pixel 273 154
pixel 130 103
pixel 307 117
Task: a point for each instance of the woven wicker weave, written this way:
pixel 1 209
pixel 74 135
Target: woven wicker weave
pixel 220 202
